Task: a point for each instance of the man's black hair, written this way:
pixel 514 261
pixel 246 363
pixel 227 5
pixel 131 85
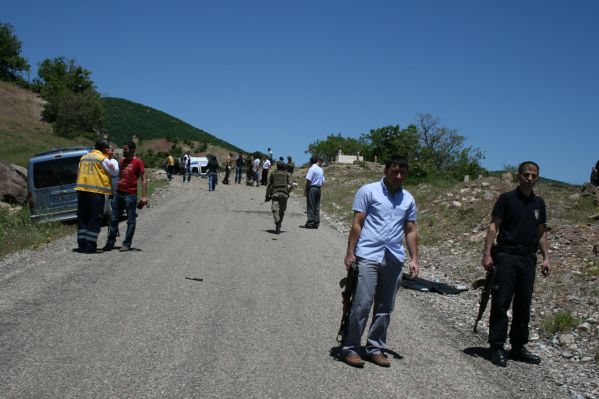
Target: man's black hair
pixel 523 165
pixel 102 145
pixel 397 160
pixel 130 144
pixel 313 160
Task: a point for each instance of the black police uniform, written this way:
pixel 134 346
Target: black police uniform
pixel 515 262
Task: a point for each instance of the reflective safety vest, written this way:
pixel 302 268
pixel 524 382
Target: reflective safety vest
pixel 92 176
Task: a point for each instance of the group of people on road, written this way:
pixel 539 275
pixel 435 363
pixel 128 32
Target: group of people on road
pixel 100 175
pixel 385 214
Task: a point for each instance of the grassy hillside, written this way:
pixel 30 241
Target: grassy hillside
pixel 22 132
pixel 124 118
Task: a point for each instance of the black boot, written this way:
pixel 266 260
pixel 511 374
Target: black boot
pixel 278 228
pixel 521 354
pixel 498 357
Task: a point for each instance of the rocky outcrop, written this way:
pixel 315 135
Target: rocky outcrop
pixel 13 183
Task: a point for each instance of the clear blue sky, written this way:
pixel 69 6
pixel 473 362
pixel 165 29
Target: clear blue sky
pixel 519 79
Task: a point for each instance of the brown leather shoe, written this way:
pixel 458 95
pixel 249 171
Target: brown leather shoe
pixel 354 360
pixel 379 359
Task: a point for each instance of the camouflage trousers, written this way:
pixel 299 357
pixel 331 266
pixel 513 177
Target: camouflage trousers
pixel 278 206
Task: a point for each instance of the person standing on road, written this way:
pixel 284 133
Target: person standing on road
pixel 249 171
pixel 265 169
pixel 170 167
pixel 256 169
pixel 228 167
pixel 187 167
pixel 239 163
pixel 290 166
pixel 518 220
pixel 131 171
pixel 94 182
pixel 384 212
pixel 213 169
pixel 277 190
pixel 314 181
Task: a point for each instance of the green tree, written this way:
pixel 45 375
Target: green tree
pixel 443 151
pixel 73 104
pixel 389 140
pixel 328 147
pixel 11 62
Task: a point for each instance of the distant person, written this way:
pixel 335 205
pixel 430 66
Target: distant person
pixel 239 164
pixel 256 169
pixel 290 165
pixel 228 167
pixel 270 155
pixel 314 181
pixel 518 220
pixel 170 167
pixel 277 190
pixel 595 175
pixel 187 167
pixel 384 214
pixel 249 171
pixel 94 182
pixel 132 172
pixel 213 169
pixel 265 169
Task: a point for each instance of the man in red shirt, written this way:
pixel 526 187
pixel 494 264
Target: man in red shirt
pixel 131 171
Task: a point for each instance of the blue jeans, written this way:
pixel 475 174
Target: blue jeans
pixel 211 181
pixel 238 170
pixel 122 201
pixel 187 174
pixel 378 284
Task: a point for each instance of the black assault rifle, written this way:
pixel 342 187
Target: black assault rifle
pixel 349 283
pixel 484 296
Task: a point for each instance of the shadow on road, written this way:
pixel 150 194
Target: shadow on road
pixel 477 351
pixel 335 353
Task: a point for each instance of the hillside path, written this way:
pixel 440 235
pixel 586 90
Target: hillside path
pixel 261 324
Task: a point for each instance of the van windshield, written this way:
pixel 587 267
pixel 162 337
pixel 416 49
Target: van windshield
pixel 56 172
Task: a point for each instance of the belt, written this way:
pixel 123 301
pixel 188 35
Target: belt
pixel 315 186
pixel 517 249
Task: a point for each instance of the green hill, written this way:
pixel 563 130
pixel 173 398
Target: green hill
pixel 124 118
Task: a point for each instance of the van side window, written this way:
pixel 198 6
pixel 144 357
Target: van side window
pixel 56 172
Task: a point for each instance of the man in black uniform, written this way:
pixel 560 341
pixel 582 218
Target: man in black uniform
pixel 518 220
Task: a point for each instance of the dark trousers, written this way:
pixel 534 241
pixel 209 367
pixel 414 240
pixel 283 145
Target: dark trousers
pixel 313 206
pixel 227 173
pixel 264 180
pixel 90 207
pixel 514 279
pixel 122 201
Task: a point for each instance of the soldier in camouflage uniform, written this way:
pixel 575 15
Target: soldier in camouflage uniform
pixel 277 189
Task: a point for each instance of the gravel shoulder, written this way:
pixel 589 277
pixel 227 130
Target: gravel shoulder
pixel 261 322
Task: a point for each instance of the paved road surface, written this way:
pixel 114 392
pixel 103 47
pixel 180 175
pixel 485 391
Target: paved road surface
pixel 261 324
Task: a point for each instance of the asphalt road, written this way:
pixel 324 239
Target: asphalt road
pixel 261 323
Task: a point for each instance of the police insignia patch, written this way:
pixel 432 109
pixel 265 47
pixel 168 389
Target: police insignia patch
pixel 536 214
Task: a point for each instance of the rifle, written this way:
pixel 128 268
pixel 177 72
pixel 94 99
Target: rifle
pixel 484 295
pixel 350 282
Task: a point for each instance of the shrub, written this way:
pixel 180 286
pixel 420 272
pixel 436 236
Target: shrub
pixel 562 321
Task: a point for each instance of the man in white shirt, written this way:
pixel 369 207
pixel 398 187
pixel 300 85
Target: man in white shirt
pixel 314 181
pixel 265 170
pixel 256 168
